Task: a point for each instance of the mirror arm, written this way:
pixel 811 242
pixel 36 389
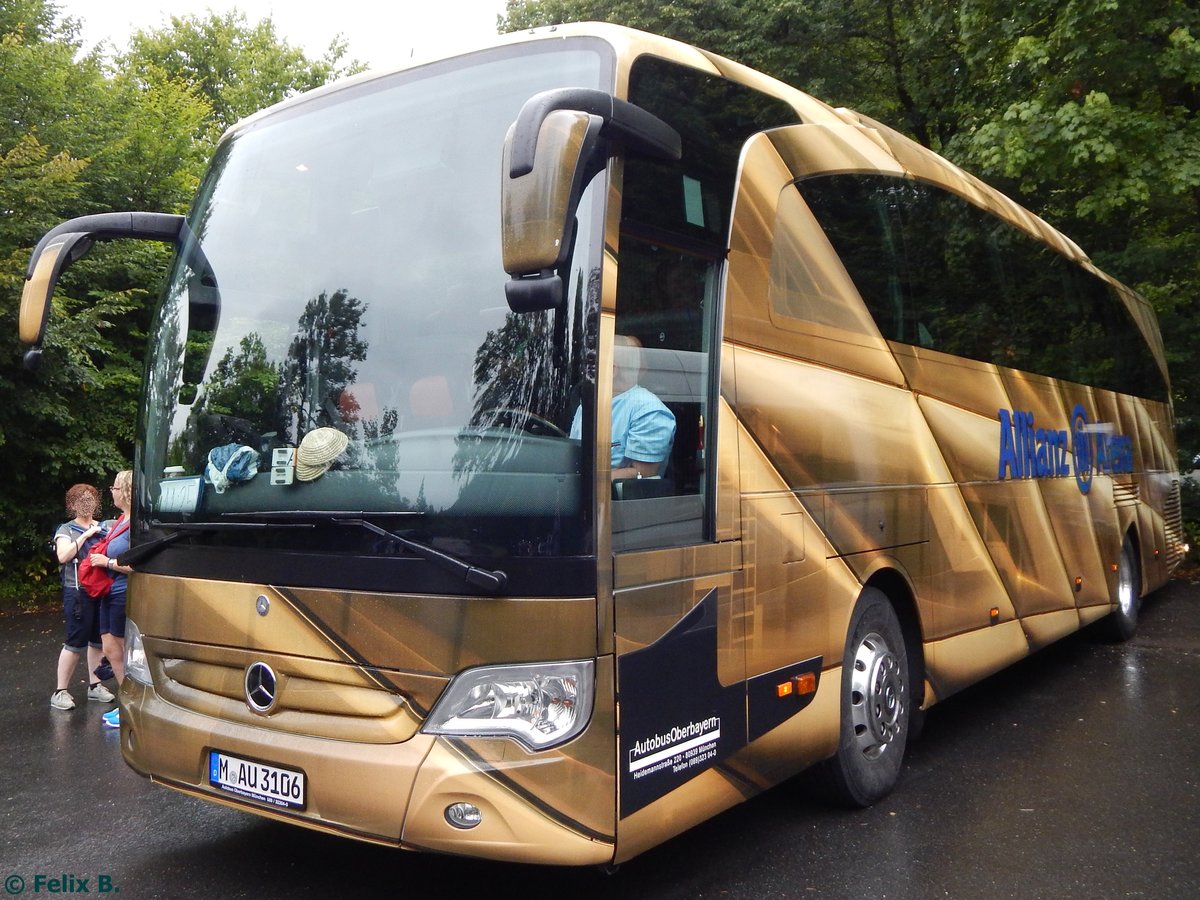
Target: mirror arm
pixel 74 238
pixel 640 131
pixel 615 126
pixel 109 226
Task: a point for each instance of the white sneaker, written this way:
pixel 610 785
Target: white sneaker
pixel 101 693
pixel 63 700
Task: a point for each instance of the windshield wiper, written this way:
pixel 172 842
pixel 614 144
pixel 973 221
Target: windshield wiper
pixel 490 580
pixel 183 529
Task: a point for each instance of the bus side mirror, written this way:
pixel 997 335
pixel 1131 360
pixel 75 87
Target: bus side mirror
pixel 560 140
pixel 47 265
pixel 68 242
pixel 538 208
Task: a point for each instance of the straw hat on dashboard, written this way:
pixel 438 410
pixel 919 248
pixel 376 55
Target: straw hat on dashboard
pixel 317 451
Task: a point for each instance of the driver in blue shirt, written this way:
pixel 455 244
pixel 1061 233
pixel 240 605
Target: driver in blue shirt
pixel 642 426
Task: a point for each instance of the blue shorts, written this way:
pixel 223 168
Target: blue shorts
pixel 81 615
pixel 112 615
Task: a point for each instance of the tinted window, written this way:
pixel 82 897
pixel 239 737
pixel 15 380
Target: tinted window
pixel 937 272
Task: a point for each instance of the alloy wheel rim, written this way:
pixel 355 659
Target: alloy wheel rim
pixel 877 696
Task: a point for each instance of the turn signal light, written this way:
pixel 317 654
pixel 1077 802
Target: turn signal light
pixel 806 683
pixel 797 684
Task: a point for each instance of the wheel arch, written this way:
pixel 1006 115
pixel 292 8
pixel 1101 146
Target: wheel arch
pixel 1133 532
pixel 899 592
pixel 1121 623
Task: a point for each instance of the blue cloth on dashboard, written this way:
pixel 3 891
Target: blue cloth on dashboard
pixel 230 463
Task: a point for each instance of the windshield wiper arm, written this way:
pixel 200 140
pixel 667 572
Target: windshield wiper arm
pixel 145 551
pixel 490 580
pixel 183 529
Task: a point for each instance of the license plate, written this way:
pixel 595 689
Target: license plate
pixel 275 786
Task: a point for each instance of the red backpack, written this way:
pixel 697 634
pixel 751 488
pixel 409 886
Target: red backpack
pixel 96 583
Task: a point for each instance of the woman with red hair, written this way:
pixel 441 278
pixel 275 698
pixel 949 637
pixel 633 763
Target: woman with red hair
pixel 72 541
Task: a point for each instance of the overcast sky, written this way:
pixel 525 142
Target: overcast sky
pixel 379 32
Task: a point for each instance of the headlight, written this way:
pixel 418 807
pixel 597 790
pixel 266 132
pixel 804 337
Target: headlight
pixel 136 666
pixel 538 704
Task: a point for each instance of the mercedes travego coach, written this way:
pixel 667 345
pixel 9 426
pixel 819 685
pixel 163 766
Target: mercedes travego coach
pixel 546 448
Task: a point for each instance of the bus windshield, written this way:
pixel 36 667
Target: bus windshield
pixel 346 348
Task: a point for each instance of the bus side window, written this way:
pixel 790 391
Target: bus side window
pixel 936 271
pixel 662 304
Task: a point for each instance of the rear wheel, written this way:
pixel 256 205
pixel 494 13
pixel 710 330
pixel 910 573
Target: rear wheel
pixel 1123 620
pixel 876 704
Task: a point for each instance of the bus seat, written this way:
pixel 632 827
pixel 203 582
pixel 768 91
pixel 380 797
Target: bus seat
pixel 359 403
pixel 429 398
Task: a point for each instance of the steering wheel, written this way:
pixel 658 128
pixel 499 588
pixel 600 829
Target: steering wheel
pixel 521 419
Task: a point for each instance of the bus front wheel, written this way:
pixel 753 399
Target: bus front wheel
pixel 876 705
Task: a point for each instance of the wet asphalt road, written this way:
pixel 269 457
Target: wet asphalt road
pixel 1073 774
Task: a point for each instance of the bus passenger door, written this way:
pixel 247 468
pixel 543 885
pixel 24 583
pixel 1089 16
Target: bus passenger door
pixel 676 567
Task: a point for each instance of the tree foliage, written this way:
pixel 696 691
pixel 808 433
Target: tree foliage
pixel 238 68
pixel 79 135
pixel 897 60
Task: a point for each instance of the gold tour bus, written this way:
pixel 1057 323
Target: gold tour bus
pixel 546 448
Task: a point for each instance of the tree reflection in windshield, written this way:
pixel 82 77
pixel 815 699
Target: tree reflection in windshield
pixel 320 364
pixel 238 402
pixel 249 400
pixel 527 380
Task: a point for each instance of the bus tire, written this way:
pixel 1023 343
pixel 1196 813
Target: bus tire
pixel 1121 624
pixel 876 705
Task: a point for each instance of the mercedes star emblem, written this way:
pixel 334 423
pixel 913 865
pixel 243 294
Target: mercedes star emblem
pixel 260 688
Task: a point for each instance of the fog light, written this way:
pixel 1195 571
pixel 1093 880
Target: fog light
pixel 463 815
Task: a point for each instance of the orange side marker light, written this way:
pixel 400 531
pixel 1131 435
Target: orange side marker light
pixel 806 683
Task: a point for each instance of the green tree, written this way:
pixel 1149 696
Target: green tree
pixel 237 67
pixel 897 60
pixel 42 89
pixel 80 136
